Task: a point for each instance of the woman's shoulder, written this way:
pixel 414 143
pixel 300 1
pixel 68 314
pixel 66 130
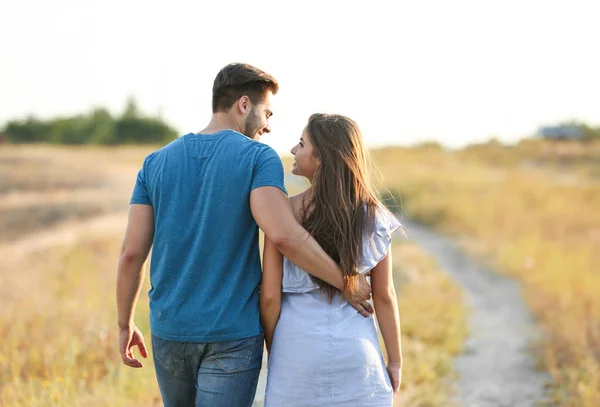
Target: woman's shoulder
pixel 296 199
pixel 297 202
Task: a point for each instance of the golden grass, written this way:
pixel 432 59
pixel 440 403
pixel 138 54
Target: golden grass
pixel 531 211
pixel 433 322
pixel 58 341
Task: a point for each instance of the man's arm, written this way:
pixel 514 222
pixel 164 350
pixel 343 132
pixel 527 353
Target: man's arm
pixel 130 276
pixel 273 213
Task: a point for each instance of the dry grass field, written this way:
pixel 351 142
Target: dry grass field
pixel 530 211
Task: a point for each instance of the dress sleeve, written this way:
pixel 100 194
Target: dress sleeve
pixel 376 243
pixel 374 249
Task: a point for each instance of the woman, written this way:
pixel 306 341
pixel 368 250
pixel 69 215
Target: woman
pixel 322 352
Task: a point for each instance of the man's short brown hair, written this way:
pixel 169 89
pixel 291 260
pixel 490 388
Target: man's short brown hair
pixel 236 80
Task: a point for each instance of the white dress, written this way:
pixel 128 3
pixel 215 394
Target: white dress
pixel 328 354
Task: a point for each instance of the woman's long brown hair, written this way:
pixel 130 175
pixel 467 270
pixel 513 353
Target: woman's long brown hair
pixel 342 204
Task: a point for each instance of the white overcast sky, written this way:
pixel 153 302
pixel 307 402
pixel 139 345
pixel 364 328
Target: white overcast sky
pixel 407 71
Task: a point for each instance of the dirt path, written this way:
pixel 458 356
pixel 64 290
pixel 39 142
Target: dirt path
pixel 44 189
pixel 496 369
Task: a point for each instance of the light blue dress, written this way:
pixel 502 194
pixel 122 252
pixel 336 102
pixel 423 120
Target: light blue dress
pixel 328 354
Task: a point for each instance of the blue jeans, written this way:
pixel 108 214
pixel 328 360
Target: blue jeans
pixel 217 374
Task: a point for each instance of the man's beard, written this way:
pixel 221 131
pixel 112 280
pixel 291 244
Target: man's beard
pixel 252 124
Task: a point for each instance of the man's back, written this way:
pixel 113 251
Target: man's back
pixel 205 267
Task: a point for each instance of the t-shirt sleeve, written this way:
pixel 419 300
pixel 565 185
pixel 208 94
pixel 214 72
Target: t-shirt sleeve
pixel 268 170
pixel 140 193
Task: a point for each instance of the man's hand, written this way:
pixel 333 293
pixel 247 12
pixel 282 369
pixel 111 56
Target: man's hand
pixel 360 301
pixel 130 277
pixel 128 338
pixel 394 371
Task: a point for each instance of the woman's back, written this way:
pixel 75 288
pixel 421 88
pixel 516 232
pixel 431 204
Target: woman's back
pixel 325 353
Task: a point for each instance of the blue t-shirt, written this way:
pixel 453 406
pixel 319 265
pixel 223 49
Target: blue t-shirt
pixel 205 268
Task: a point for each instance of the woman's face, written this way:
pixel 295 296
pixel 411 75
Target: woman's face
pixel 305 161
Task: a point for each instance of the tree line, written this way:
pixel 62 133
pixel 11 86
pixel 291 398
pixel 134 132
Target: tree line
pixel 95 127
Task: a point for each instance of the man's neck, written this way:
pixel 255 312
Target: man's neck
pixel 221 121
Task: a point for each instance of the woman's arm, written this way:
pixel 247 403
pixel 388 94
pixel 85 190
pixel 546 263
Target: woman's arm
pixel 388 317
pixel 270 290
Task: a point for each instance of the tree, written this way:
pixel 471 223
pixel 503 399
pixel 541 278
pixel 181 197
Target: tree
pixel 96 127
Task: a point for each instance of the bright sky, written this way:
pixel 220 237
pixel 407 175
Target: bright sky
pixel 407 71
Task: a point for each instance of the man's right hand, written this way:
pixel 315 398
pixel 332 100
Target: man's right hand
pixel 128 338
pixel 360 300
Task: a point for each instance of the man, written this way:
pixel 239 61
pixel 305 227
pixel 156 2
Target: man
pixel 199 201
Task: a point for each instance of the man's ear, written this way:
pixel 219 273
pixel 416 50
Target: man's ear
pixel 244 104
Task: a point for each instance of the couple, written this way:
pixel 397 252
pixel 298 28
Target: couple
pixel 199 202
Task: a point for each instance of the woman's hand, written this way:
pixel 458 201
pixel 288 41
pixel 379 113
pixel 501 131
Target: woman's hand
pixel 394 371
